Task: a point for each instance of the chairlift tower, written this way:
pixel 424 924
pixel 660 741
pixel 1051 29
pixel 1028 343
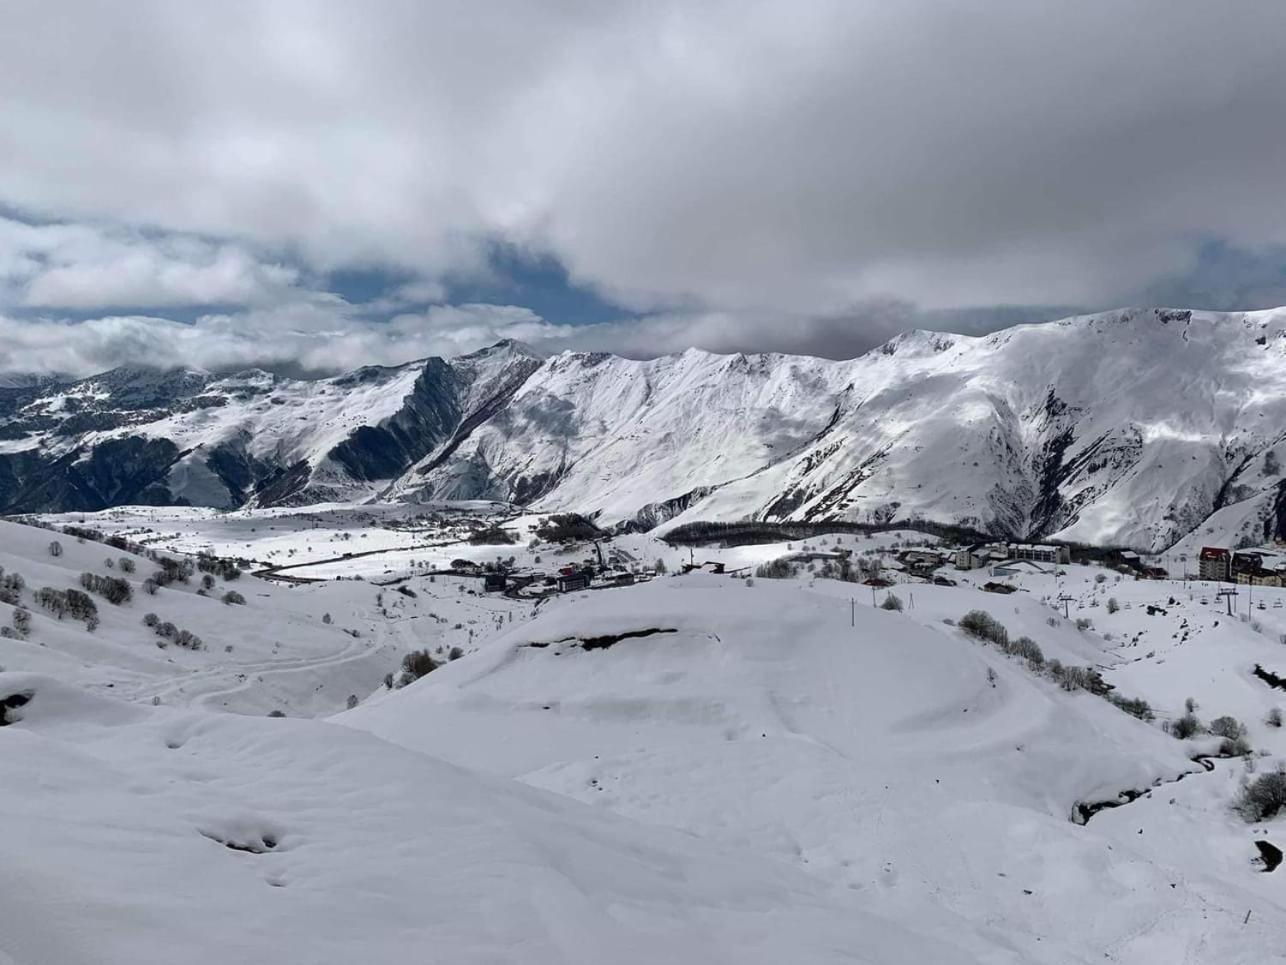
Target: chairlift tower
pixel 1228 592
pixel 1064 599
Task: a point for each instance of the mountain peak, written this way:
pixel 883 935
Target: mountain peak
pixel 506 346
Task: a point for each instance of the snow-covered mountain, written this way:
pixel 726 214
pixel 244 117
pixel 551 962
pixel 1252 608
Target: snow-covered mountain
pixel 185 436
pixel 1127 427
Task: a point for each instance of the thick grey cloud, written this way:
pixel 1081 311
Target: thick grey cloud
pixel 733 169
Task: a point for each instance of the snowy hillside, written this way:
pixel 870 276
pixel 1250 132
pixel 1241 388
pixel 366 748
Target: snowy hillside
pixel 698 768
pixel 1133 427
pixel 613 436
pixel 1123 428
pixel 272 652
pixel 189 437
pixel 896 759
pixel 137 834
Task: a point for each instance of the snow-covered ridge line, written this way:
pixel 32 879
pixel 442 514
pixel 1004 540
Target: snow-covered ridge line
pixel 1131 427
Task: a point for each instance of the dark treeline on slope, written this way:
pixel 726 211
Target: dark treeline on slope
pixel 750 532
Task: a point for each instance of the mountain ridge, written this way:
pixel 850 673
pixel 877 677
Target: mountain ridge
pixel 1128 427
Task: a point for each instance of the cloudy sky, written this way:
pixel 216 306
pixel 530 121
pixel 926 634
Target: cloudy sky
pixel 323 184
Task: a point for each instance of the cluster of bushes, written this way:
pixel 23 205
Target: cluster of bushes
pixel 778 569
pixel 983 626
pixel 84 534
pixel 567 527
pixel 492 535
pixel 1134 706
pixel 415 665
pixel 227 569
pixel 113 589
pixel 21 625
pixel 232 596
pixel 1230 729
pixel 11 586
pixel 892 602
pixel 169 632
pixel 746 533
pixel 72 603
pixel 845 569
pixel 171 571
pixel 1071 677
pixel 1233 732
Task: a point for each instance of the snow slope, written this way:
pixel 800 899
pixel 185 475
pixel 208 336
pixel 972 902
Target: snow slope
pixel 697 768
pixel 882 757
pixel 273 653
pixel 124 833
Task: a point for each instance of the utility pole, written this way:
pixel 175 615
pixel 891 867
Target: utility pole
pixel 852 611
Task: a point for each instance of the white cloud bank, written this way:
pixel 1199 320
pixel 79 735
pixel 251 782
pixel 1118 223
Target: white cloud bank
pixel 78 266
pixel 748 162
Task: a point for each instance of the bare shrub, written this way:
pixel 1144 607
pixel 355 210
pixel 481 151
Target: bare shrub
pixel 1229 727
pixel 417 664
pixel 892 602
pixel 1185 726
pixel 1263 797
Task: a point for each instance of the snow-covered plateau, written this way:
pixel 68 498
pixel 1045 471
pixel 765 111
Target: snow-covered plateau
pixel 704 766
